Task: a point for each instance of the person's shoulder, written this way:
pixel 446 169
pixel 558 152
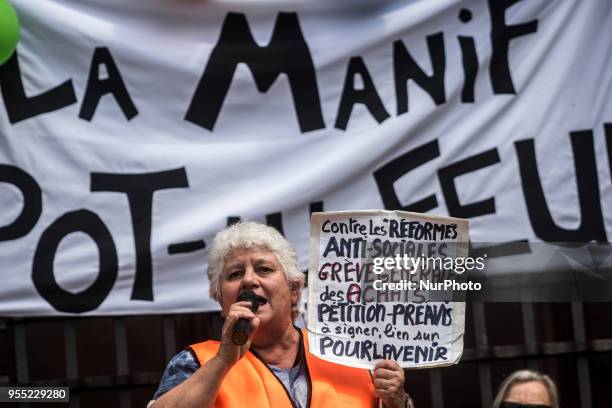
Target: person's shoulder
pixel 179 368
pixel 184 359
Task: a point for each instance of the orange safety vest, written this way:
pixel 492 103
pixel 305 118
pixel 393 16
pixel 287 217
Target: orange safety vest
pixel 251 383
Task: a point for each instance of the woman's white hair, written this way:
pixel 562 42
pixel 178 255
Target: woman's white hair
pixel 246 235
pixel 523 376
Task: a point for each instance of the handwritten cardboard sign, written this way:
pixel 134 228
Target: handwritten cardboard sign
pixel 374 286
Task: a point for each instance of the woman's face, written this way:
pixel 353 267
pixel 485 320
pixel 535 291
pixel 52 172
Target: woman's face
pixel 530 392
pixel 259 271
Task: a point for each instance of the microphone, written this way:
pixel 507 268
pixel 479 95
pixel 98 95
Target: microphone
pixel 242 328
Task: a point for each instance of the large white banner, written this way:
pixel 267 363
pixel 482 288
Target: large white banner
pixel 132 131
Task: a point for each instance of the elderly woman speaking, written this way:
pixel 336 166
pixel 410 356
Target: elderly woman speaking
pixel 274 367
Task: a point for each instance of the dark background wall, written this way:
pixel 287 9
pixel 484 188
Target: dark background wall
pixel 118 361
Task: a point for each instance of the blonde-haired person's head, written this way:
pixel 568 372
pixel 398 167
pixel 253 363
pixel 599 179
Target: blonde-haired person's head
pixel 527 387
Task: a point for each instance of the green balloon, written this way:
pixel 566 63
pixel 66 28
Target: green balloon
pixel 9 30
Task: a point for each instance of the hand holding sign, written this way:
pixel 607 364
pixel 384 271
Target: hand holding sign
pixel 388 381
